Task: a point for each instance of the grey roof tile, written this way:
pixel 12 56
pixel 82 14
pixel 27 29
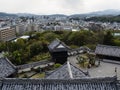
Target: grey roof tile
pixel 56 43
pixel 59 84
pixel 6 67
pixel 34 64
pixel 108 50
pixel 63 73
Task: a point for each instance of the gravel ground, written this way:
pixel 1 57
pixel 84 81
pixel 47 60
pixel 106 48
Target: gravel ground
pixel 104 70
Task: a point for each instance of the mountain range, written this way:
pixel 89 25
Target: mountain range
pixel 2 14
pixel 112 12
pixel 109 12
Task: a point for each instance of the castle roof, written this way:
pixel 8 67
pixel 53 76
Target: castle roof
pixel 58 45
pixel 6 68
pixel 59 84
pixel 108 50
pixel 67 71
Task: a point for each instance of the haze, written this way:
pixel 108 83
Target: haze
pixel 57 6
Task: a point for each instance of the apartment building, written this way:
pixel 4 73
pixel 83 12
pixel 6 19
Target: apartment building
pixel 7 34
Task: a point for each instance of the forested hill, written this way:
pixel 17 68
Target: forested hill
pixel 105 19
pixel 2 14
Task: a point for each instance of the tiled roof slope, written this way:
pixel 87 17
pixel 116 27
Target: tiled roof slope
pixel 108 50
pixel 118 84
pixel 70 84
pixel 56 43
pixel 6 67
pixel 64 72
pixel 0 84
pixel 34 64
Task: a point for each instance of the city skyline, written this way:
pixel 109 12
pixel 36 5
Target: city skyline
pixel 67 7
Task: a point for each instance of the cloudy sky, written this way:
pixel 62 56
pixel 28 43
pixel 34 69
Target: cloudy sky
pixel 57 6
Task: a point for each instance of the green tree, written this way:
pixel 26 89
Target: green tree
pixel 116 42
pixel 21 43
pixel 108 38
pixel 82 60
pixel 77 38
pixel 50 36
pixel 36 48
pixel 16 57
pixel 3 46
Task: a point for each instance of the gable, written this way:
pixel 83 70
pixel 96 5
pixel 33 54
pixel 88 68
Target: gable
pixel 65 71
pixel 57 45
pixel 53 44
pixel 60 46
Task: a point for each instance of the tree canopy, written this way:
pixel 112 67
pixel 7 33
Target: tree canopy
pixel 35 48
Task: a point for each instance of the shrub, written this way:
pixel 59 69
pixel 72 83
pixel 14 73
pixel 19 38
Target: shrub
pixel 57 65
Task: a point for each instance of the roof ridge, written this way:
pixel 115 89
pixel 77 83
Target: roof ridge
pixel 57 39
pixel 10 63
pixel 7 67
pixel 79 69
pixel 69 70
pixel 53 45
pixel 100 79
pixel 43 61
pixel 108 46
pixel 61 42
pixel 58 68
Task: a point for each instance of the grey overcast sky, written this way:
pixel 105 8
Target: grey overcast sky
pixel 57 6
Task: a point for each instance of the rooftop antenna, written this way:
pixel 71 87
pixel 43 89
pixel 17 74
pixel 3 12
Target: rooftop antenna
pixel 69 70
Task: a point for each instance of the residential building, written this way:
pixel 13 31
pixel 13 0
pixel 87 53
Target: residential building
pixel 7 34
pixel 21 28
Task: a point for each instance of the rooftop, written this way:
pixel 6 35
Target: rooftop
pixel 67 71
pixel 4 28
pixel 34 64
pixel 22 37
pixel 58 45
pixel 6 68
pixel 108 50
pixel 108 83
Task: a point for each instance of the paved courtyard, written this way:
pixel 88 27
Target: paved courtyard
pixel 104 70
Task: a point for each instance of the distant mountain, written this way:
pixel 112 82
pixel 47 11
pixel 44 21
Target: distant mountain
pixel 104 19
pixel 25 14
pixel 2 14
pixel 57 15
pixel 111 12
pixel 78 15
pixel 107 12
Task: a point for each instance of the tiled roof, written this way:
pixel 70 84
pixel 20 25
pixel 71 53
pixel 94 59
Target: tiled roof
pixel 58 45
pixel 78 51
pixel 58 84
pixel 65 72
pixel 6 67
pixel 0 83
pixel 108 50
pixel 34 64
